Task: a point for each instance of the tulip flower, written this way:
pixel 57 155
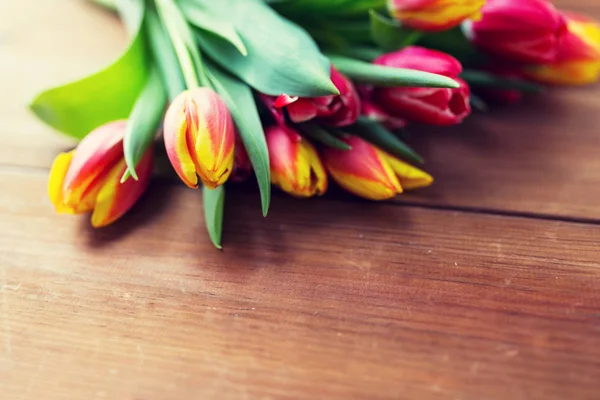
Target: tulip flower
pixel 434 15
pixel 578 59
pixel 435 106
pixel 87 179
pixel 366 171
pixel 527 31
pixel 335 110
pixel 295 165
pixel 199 137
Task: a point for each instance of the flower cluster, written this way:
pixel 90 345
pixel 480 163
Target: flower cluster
pixel 240 88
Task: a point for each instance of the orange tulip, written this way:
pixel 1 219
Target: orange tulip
pixel 434 15
pixel 199 137
pixel 578 58
pixel 87 179
pixel 369 172
pixel 295 165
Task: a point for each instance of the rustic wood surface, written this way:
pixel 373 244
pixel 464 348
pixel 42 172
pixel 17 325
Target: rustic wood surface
pixel 485 286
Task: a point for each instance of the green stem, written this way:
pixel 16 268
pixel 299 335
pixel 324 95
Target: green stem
pixel 168 13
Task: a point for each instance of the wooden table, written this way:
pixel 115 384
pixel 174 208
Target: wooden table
pixel 485 286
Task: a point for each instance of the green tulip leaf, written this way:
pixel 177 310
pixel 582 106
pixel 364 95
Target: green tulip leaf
pixel 377 134
pixel 282 57
pixel 338 8
pixel 321 135
pixel 379 75
pixel 488 80
pixel 240 101
pixel 389 34
pixel 214 204
pixel 78 107
pixel 143 122
pixel 208 19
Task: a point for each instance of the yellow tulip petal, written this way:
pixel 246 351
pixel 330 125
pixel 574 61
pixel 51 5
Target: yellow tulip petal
pixel 59 169
pixel 410 177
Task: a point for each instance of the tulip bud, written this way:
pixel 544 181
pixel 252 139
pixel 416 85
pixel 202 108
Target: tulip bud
pixel 335 110
pixel 295 165
pixel 88 178
pixel 527 31
pixel 435 106
pixel 199 137
pixel 434 15
pixel 369 172
pixel 578 58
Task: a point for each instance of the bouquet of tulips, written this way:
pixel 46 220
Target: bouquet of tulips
pixel 296 92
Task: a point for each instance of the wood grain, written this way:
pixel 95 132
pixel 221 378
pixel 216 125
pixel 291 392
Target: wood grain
pixel 392 302
pixel 431 297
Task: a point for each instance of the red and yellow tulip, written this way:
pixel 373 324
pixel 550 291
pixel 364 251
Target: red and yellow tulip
pixel 295 164
pixel 199 137
pixel 369 172
pixel 87 179
pixel 578 58
pixel 434 15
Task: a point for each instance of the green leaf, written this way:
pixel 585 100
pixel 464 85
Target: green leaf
pixel 455 43
pixel 78 107
pixel 389 34
pixel 321 135
pixel 338 8
pixel 375 133
pixel 214 201
pixel 164 56
pixel 282 57
pixel 143 122
pixel 378 75
pixel 488 80
pixel 242 106
pixel 209 20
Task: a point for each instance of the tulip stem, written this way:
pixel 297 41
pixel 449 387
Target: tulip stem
pixel 183 43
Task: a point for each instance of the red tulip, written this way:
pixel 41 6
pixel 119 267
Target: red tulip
pixel 434 15
pixel 199 137
pixel 369 172
pixel 335 110
pixel 295 165
pixel 88 179
pixel 527 31
pixel 435 106
pixel 578 58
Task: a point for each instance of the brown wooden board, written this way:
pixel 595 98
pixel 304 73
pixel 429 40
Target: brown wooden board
pixel 322 299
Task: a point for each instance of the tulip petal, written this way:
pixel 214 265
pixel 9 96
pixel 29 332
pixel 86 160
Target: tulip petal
pixel 176 140
pixel 100 149
pixel 363 170
pixel 435 15
pixel 59 169
pixel 214 138
pixel 114 198
pixel 410 177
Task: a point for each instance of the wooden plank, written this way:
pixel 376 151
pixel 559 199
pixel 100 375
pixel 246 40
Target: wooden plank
pixel 540 157
pixel 322 299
